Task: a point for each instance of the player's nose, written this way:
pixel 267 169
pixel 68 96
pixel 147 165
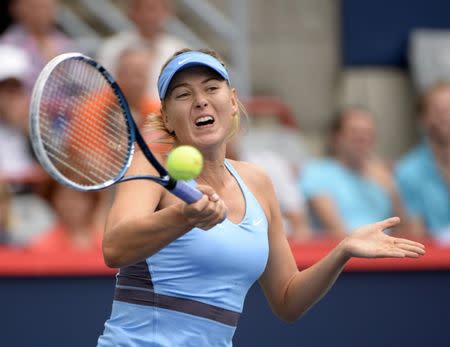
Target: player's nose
pixel 200 101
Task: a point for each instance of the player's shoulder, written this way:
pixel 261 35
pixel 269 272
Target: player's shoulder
pixel 251 173
pixel 258 182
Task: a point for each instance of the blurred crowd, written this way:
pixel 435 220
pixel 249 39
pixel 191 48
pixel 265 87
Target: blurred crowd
pixel 323 197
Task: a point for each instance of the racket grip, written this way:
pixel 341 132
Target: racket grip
pixel 185 192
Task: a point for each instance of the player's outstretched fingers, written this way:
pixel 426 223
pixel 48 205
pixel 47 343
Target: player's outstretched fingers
pixel 388 223
pixel 410 246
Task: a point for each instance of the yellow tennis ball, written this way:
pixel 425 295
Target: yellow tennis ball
pixel 184 162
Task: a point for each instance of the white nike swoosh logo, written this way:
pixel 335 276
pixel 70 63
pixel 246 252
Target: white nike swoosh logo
pixel 257 222
pixel 183 61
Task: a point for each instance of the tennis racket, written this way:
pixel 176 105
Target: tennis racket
pixel 82 130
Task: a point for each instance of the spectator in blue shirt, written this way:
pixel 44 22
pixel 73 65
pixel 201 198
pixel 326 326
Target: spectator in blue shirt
pixel 423 175
pixel 351 187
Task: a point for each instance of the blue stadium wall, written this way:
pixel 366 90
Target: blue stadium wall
pixel 376 32
pixel 376 309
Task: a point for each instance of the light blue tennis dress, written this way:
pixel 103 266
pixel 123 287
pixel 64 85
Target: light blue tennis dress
pixel 191 292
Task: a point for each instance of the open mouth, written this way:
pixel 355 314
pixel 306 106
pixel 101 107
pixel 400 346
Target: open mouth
pixel 204 121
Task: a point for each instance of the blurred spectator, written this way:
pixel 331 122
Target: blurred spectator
pixel 34 30
pixel 283 178
pixel 352 187
pixel 22 217
pixel 75 228
pixel 16 159
pixel 132 76
pixel 423 175
pixel 29 215
pixel 149 16
pixel 5 213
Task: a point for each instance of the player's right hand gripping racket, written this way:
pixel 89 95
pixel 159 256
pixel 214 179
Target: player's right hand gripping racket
pixel 82 130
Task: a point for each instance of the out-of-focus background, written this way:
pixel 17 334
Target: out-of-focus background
pixel 349 113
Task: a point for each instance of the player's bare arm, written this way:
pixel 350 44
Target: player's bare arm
pixel 156 218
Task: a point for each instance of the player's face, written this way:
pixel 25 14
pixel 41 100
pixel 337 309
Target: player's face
pixel 200 107
pixel 436 119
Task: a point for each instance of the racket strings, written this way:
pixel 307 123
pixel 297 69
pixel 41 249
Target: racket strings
pixel 100 107
pixel 66 161
pixel 82 124
pixel 85 139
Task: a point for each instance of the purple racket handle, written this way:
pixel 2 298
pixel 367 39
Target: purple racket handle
pixel 185 192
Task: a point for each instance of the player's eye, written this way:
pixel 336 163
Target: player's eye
pixel 212 88
pixel 181 94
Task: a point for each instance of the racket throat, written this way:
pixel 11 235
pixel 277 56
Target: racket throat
pixel 171 183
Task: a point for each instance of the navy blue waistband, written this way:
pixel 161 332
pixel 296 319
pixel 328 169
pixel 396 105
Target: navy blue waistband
pixel 150 298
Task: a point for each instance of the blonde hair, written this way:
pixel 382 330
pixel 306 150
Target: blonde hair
pixel 154 123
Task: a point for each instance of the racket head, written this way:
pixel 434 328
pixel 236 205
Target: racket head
pixel 81 127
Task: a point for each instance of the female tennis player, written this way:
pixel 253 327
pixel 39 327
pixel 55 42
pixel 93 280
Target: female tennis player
pixel 185 268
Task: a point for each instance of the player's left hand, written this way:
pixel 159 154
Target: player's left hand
pixel 370 241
